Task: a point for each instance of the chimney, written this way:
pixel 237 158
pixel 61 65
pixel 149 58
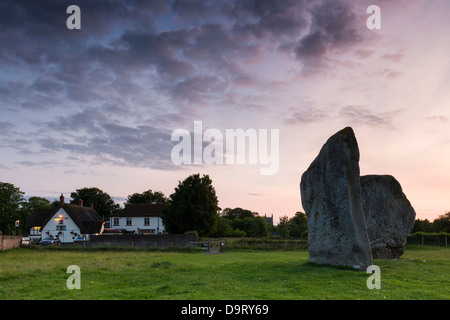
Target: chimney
pixel 81 202
pixel 61 201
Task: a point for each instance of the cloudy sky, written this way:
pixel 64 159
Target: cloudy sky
pixel 97 106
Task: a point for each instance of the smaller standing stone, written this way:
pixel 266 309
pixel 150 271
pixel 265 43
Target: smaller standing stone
pixel 388 213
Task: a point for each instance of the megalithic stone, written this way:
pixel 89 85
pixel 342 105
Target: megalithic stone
pixel 388 213
pixel 331 198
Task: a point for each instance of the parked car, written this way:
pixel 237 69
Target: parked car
pixel 50 240
pixel 26 241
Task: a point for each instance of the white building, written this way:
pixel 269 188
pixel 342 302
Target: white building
pixel 68 222
pixel 139 219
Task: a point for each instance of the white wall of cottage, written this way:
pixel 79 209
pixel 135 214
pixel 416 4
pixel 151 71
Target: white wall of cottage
pixel 70 233
pixel 138 224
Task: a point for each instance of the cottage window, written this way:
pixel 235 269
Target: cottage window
pixel 129 222
pixel 61 227
pixel 116 221
pixel 35 230
pixel 146 221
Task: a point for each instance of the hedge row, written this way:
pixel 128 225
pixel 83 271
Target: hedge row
pixel 265 244
pixel 434 239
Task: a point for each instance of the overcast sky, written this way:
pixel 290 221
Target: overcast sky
pixel 97 106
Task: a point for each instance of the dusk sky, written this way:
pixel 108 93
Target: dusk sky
pixel 96 107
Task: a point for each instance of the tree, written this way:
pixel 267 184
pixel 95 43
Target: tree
pixel 283 227
pixel 423 226
pixel 147 197
pixel 11 199
pixel 298 225
pixel 223 228
pixel 35 203
pixel 238 213
pixel 193 206
pixel 256 227
pixel 27 208
pixel 442 223
pixel 102 202
pixel 244 222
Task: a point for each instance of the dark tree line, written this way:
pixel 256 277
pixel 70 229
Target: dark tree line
pixel 439 225
pixel 193 206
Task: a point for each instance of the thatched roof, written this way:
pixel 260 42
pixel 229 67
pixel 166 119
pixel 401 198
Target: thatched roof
pixel 86 218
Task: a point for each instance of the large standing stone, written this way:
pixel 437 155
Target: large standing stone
pixel 331 197
pixel 388 213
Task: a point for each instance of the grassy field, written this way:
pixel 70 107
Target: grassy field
pixel 422 273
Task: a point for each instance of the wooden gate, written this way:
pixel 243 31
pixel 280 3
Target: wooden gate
pixel 209 246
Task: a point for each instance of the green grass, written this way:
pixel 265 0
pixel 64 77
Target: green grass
pixel 422 273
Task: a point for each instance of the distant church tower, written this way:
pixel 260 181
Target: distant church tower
pixel 269 219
